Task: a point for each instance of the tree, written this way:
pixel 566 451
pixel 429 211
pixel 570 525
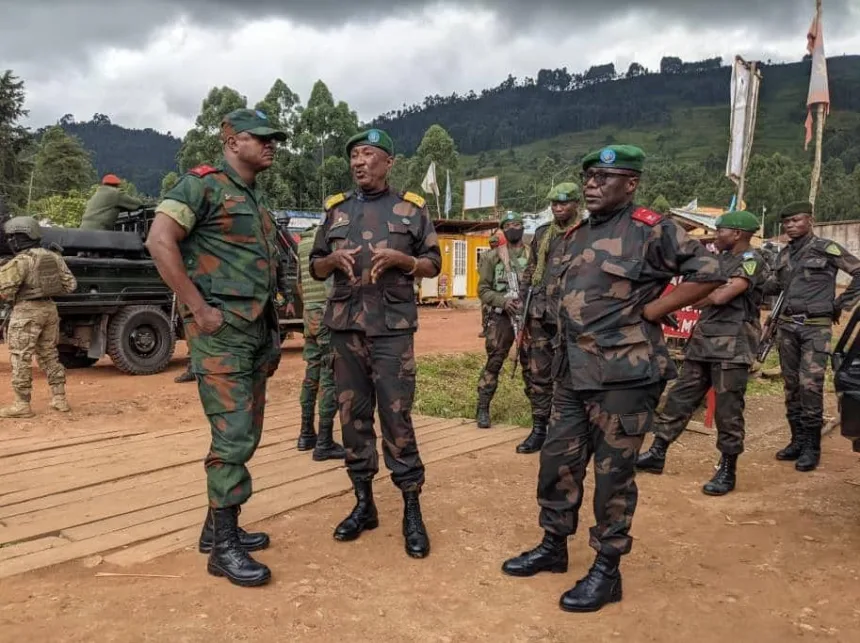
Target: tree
pixel 202 143
pixel 15 140
pixel 62 165
pixel 661 205
pixel 282 107
pixel 170 179
pixel 635 70
pixel 65 210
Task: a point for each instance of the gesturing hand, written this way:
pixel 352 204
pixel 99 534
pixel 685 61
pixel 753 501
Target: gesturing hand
pixel 344 260
pixel 385 258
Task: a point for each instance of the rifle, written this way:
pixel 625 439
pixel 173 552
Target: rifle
pixel 768 335
pixel 520 336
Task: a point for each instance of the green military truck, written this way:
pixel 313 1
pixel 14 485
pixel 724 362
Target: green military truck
pixel 122 307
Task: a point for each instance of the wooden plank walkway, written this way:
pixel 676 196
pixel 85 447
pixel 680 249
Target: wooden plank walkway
pixel 131 496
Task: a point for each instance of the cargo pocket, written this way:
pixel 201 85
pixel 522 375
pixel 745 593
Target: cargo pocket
pixel 238 296
pixel 635 424
pixel 400 237
pixel 400 310
pixel 720 339
pixel 625 355
pixel 622 271
pixel 337 308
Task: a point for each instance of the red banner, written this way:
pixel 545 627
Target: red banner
pixel 687 317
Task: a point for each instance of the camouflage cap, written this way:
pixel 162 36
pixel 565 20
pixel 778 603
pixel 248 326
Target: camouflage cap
pixel 740 220
pixel 510 217
pixel 619 157
pixel 374 138
pixel 798 207
pixel 564 192
pixel 252 121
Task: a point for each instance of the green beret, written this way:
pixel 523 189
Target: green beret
pixel 740 220
pixel 798 207
pixel 374 138
pixel 511 217
pixel 619 157
pixel 252 121
pixel 564 192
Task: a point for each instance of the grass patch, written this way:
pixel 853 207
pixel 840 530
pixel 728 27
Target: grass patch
pixel 447 387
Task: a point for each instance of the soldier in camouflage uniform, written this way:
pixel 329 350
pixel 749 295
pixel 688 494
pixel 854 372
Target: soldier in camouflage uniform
pixel 806 270
pixel 376 242
pixel 214 243
pixel 28 281
pixel 316 352
pixel 542 276
pixel 719 354
pixel 493 290
pixel 485 310
pixel 611 366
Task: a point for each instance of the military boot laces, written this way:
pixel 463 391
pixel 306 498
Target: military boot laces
pixel 20 408
pixel 253 541
pixel 549 556
pixel 810 453
pixel 228 557
pixel 307 436
pixel 601 586
pixel 534 442
pixel 482 415
pixel 362 517
pixel 326 448
pixel 654 459
pixel 724 479
pixel 417 541
pixel 58 399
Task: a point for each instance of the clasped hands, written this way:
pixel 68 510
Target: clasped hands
pixel 382 259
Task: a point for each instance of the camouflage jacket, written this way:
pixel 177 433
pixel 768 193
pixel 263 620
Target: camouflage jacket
pixel 615 264
pixel 385 220
pixel 231 252
pixel 731 333
pixel 544 302
pixel 492 277
pixel 35 273
pixel 812 290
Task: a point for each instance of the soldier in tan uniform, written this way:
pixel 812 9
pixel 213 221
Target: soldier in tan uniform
pixel 28 281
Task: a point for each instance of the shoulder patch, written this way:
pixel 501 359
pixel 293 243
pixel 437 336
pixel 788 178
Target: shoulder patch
pixel 749 254
pixel 414 199
pixel 834 250
pixel 202 170
pixel 334 200
pixel 646 216
pixel 750 267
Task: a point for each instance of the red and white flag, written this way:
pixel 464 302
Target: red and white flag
pixel 819 91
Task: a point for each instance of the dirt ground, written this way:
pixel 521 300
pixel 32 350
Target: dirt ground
pixel 774 561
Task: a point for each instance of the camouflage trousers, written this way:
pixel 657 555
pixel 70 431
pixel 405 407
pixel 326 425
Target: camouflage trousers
pixel 803 355
pixel 540 353
pixel 34 328
pixel 232 367
pixel 319 377
pixel 371 372
pixel 500 338
pixel 610 426
pixel 730 385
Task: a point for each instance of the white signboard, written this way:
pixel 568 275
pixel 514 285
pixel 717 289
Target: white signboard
pixel 480 193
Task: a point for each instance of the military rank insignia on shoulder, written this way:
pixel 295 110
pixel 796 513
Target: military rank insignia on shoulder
pixel 834 250
pixel 646 216
pixel 202 170
pixel 415 199
pixel 333 200
pixel 750 266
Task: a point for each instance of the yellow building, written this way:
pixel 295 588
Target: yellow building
pixel 462 242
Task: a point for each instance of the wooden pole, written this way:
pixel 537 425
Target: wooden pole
pixel 819 134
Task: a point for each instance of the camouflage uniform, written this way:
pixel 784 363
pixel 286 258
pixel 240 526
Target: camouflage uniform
pixel 492 288
pixel 718 354
pixel 807 268
pixel 316 352
pixel 29 280
pixel 372 328
pixel 231 255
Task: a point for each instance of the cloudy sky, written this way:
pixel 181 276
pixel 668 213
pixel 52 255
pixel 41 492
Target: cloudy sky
pixel 150 63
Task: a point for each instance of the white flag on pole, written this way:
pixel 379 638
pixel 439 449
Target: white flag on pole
pixel 744 104
pixel 447 193
pixel 429 183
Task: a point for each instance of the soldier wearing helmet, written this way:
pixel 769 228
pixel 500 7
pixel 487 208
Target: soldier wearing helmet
pixel 29 281
pixel 106 203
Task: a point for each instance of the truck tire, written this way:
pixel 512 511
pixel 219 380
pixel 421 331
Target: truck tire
pixel 140 340
pixel 76 359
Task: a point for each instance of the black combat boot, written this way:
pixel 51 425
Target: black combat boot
pixel 810 454
pixel 549 556
pixel 602 585
pixel 482 415
pixel 307 435
pixel 186 376
pixel 253 541
pixel 535 440
pixel 326 448
pixel 654 459
pixel 363 516
pixel 228 557
pixel 724 479
pixel 414 532
pixel 792 450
